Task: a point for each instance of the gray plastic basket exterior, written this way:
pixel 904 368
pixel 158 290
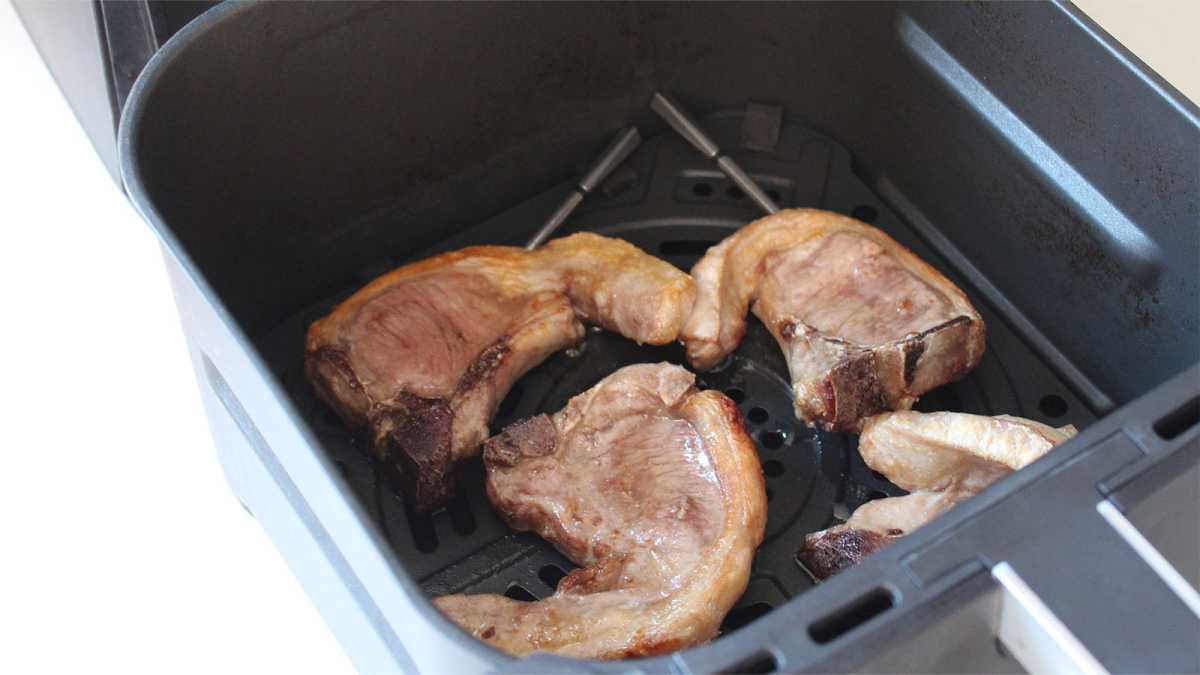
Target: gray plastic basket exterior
pixel 277 149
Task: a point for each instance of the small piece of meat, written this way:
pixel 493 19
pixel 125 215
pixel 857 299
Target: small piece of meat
pixel 871 527
pixel 421 357
pixel 865 325
pixel 654 489
pixel 942 458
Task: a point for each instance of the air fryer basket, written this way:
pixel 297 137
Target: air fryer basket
pixel 667 203
pixel 287 156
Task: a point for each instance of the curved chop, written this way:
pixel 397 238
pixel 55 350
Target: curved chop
pixel 866 326
pixel 421 357
pixel 942 458
pixel 654 489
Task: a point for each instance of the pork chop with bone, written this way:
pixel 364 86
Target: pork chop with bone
pixel 865 325
pixel 654 489
pixel 421 357
pixel 941 458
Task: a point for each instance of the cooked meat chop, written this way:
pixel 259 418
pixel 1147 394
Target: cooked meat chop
pixel 654 489
pixel 865 325
pixel 942 458
pixel 421 357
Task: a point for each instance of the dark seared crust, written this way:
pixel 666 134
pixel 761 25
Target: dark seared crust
pixel 913 349
pixel 412 437
pixel 531 437
pixel 484 365
pixel 824 554
pixel 852 391
pixel 956 321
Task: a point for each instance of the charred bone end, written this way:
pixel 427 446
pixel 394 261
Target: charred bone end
pixel 867 381
pixel 412 439
pixel 826 553
pixel 852 391
pixel 531 437
pixel 328 369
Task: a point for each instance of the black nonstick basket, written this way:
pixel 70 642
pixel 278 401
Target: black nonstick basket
pixel 288 153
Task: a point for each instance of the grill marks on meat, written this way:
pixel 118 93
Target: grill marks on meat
pixel 654 489
pixel 865 325
pixel 421 357
pixel 942 458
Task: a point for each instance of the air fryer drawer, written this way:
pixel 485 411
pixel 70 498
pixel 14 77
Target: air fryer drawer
pixel 288 153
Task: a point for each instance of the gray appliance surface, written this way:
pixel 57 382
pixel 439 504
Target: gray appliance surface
pixel 286 153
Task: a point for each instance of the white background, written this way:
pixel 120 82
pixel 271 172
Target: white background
pixel 121 548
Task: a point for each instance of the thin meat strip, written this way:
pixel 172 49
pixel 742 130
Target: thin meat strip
pixel 942 459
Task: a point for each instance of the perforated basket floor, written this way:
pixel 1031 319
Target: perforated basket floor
pixel 672 203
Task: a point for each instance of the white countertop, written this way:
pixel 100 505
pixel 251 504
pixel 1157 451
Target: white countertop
pixel 1159 32
pixel 124 550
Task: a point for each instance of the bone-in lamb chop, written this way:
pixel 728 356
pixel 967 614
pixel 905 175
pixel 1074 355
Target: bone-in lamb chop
pixel 942 459
pixel 654 489
pixel 421 357
pixel 865 325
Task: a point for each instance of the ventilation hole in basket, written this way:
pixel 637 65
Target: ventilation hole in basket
pixel 771 440
pixel 734 192
pixel 774 195
pixel 759 664
pixel 736 394
pixel 740 616
pixel 1052 405
pixel 865 213
pixel 702 189
pixel 461 518
pixel 876 494
pixel 850 616
pixel 509 405
pixel 517 592
pixel 773 468
pixel 551 575
pixel 1180 420
pixel 421 527
pixel 695 247
pixel 757 415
